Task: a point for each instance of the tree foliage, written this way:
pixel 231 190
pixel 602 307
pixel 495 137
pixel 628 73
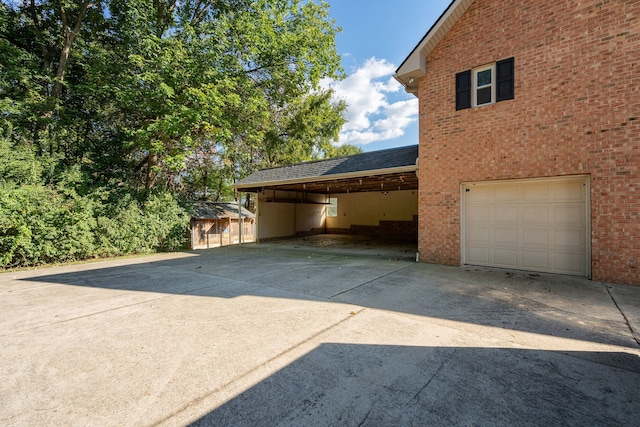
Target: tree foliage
pixel 53 223
pixel 136 91
pixel 112 110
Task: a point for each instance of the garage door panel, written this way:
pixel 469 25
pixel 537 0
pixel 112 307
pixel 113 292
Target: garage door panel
pixel 532 225
pixel 535 214
pixel 569 215
pixel 481 195
pixel 505 235
pixel 478 255
pixel 536 237
pixel 482 215
pixel 538 193
pixel 568 239
pixel 479 235
pixel 568 263
pixel 535 260
pixel 505 258
pixel 569 191
pixel 506 193
pixel 505 214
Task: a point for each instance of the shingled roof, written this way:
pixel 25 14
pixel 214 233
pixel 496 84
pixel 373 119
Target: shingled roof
pixel 218 210
pixel 375 163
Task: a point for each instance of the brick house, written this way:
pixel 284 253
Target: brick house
pixel 529 146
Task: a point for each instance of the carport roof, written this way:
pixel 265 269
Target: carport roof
pixel 391 169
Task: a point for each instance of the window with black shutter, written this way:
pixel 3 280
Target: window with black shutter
pixel 485 85
pixel 463 90
pixel 504 79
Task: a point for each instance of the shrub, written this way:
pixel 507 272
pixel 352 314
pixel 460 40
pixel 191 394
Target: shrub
pixel 47 224
pixel 38 225
pixel 155 224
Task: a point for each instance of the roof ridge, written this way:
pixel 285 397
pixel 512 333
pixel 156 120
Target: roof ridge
pixel 308 162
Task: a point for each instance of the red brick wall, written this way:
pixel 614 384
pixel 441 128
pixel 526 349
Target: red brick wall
pixel 576 111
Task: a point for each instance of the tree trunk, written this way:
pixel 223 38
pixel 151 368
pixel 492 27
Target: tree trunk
pixel 56 91
pixel 69 37
pixel 151 174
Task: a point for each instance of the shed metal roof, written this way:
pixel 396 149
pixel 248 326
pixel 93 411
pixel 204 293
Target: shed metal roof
pixel 320 176
pixel 218 210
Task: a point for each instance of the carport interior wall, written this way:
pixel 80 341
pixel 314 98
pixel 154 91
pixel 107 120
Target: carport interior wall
pixel 384 214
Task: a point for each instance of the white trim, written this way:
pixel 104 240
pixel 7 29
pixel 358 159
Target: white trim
pixel 414 66
pixel 525 180
pixel 323 178
pixel 588 214
pixel 463 219
pixel 474 84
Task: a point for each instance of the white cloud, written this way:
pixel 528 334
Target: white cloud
pixel 399 115
pixel 372 114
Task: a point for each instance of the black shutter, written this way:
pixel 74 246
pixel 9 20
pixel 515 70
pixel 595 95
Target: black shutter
pixel 463 90
pixel 504 79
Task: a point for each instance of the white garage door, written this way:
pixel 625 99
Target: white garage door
pixel 539 225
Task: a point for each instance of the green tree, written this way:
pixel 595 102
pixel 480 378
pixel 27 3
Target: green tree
pixel 342 150
pixel 108 106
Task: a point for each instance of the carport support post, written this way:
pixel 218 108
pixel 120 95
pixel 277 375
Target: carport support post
pixel 240 224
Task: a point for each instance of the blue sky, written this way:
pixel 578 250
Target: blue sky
pixel 376 37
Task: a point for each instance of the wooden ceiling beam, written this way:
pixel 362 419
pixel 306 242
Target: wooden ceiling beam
pixel 391 182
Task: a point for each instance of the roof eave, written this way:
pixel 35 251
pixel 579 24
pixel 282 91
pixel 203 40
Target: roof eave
pixel 414 66
pixel 359 174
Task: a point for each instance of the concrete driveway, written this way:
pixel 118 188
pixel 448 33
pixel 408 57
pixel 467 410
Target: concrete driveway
pixel 282 334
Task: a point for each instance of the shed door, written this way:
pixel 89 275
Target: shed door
pixel 539 225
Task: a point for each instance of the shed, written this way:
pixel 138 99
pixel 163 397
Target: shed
pixel 216 224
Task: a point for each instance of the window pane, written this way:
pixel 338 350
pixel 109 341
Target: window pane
pixel 484 78
pixel 484 96
pixel 332 209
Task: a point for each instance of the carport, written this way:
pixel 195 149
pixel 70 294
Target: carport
pixel 369 194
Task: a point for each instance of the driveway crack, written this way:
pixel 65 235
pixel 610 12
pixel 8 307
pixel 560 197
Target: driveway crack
pixel 635 335
pixel 416 397
pixel 369 281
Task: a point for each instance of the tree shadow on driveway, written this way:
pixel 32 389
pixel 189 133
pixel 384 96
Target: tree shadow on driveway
pixel 345 384
pixel 269 335
pixel 562 306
